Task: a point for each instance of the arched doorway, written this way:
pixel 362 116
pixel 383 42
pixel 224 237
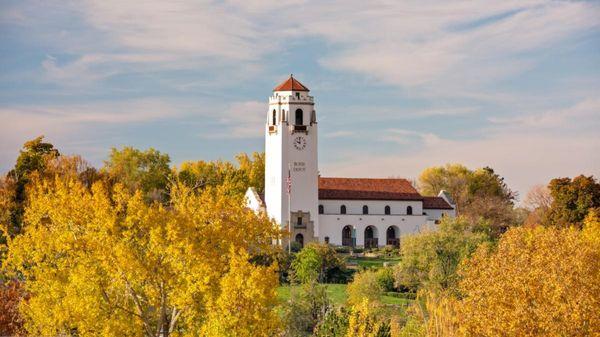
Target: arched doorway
pixel 371 237
pixel 300 239
pixel 392 237
pixel 347 236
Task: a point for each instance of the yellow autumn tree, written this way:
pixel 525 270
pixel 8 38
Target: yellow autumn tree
pixel 538 282
pixel 244 307
pixel 106 263
pixel 367 320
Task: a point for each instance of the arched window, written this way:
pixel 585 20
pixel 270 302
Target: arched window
pixel 299 117
pixel 409 210
pixel 321 209
pixel 274 117
pixel 343 209
pixel 388 211
pixel 365 209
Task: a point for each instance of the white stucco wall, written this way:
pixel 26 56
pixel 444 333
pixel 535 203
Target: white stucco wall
pixel 333 224
pixel 281 154
pixel 375 206
pixel 436 214
pixel 253 201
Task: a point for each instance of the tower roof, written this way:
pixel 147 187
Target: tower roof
pixel 291 84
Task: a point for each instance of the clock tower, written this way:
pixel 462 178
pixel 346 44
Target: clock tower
pixel 291 155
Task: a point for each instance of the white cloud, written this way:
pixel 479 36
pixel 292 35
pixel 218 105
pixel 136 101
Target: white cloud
pixel 413 44
pixel 586 113
pixel 76 123
pixel 524 153
pixel 437 47
pixel 240 120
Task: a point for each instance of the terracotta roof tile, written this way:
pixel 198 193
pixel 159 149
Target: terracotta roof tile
pixel 291 84
pixel 435 203
pixel 367 189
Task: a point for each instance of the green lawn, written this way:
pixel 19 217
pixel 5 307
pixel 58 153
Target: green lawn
pixel 372 262
pixel 337 294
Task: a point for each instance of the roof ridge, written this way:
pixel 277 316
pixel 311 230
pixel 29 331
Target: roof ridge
pixel 291 84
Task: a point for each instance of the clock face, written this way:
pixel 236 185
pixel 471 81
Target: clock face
pixel 300 143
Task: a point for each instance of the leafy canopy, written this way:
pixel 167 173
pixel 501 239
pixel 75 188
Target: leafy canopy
pixel 572 199
pixel 541 281
pixel 105 262
pixel 147 171
pixel 479 193
pixel 430 258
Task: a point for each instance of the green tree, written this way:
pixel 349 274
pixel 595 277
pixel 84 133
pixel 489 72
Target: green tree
pixel 572 199
pixel 481 193
pixel 317 262
pixel 32 159
pixel 147 171
pixel 430 258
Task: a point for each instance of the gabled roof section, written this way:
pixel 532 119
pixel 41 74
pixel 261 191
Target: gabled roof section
pixel 367 189
pixel 291 84
pixel 435 203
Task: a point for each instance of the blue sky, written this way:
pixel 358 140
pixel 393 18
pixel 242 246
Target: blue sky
pixel 399 85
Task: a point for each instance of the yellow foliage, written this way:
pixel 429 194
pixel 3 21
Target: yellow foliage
pixel 538 282
pixel 245 304
pixel 364 287
pixel 433 314
pixel 106 263
pixel 366 320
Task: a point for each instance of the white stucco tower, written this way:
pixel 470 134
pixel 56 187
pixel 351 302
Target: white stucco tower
pixel 291 146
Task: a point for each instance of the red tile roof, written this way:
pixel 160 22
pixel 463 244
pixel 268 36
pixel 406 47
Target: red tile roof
pixel 291 84
pixel 435 203
pixel 367 189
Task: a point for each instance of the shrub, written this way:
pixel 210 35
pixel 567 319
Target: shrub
pixel 367 320
pixel 430 258
pixel 305 309
pixel 391 250
pixel 385 278
pixel 318 262
pixel 342 249
pixel 364 287
pixel 333 324
pixel 283 259
pixel 296 247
